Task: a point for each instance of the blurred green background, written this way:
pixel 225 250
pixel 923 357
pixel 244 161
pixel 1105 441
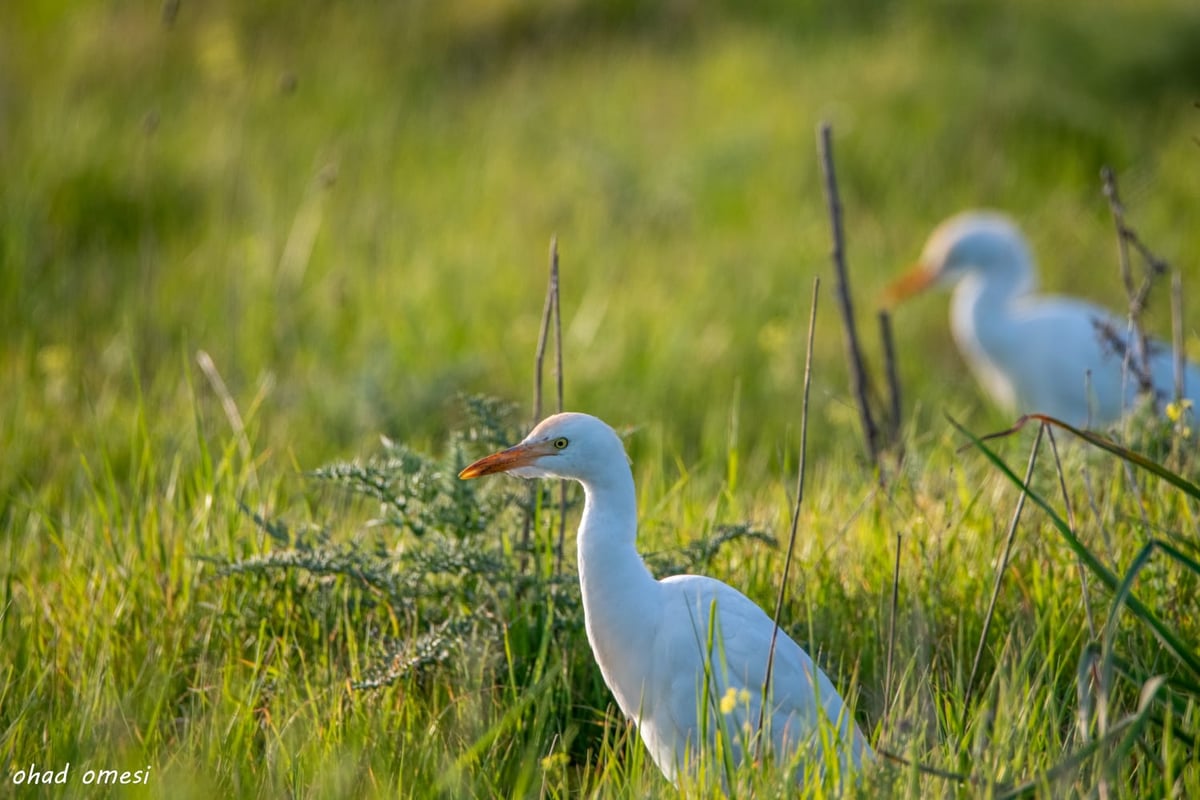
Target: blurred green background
pixel 348 205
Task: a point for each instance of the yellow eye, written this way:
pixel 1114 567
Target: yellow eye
pixel 560 443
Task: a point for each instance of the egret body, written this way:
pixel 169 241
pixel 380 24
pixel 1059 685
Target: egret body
pixel 650 637
pixel 1033 353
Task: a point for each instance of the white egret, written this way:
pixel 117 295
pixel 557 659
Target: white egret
pixel 1032 353
pixel 651 638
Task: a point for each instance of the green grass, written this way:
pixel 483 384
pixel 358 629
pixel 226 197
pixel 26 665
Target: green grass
pixel 348 207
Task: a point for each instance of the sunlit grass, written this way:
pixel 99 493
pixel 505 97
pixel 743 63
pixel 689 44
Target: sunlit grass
pixel 348 210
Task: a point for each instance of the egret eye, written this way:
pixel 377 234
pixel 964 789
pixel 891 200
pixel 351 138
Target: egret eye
pixel 560 443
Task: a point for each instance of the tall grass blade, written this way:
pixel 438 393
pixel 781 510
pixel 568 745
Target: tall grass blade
pixel 1009 538
pixel 1121 734
pixel 1170 640
pixel 1137 459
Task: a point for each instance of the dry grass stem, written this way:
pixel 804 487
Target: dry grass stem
pixel 892 375
pixel 858 372
pixel 787 560
pixel 1136 357
pixel 1009 538
pixel 551 312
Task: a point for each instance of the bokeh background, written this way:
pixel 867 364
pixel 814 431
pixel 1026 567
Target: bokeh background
pixel 349 205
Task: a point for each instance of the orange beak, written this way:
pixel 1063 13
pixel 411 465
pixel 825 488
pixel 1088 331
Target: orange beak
pixel 916 280
pixel 521 455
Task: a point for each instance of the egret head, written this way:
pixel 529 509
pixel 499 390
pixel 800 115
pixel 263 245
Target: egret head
pixel 569 445
pixel 982 242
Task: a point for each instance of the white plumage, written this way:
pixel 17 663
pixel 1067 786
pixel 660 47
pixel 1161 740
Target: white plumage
pixel 1032 353
pixel 650 637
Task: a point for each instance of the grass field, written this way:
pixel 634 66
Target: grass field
pixel 240 243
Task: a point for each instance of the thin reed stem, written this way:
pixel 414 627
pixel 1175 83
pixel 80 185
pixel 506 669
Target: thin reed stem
pixel 1010 537
pixel 787 560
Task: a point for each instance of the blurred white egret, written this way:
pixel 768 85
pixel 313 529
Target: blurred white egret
pixel 651 638
pixel 1032 353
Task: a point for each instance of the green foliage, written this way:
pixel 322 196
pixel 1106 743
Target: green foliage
pixel 1103 688
pixel 431 559
pixel 443 574
pixel 345 207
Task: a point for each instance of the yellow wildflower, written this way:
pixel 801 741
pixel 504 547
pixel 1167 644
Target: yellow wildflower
pixel 729 701
pixel 555 761
pixel 1175 411
pixel 733 698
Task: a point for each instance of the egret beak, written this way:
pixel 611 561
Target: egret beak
pixel 521 455
pixel 916 280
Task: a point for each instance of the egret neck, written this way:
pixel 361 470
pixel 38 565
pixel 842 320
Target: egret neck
pixel 621 605
pixel 981 315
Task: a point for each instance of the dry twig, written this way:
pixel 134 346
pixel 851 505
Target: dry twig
pixel 550 310
pixel 858 373
pixel 1137 357
pixel 893 377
